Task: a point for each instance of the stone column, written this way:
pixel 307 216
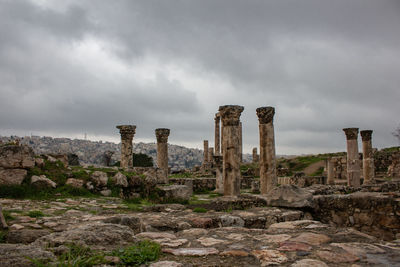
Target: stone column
pixel 255 155
pixel 217 146
pixel 210 154
pixel 353 159
pixel 205 160
pixel 219 183
pixel 268 178
pixel 240 142
pixel 368 157
pixel 330 173
pixel 230 116
pixel 127 132
pixel 162 149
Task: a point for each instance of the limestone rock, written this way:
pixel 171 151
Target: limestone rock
pixel 309 263
pixel 289 196
pixel 12 176
pixel 25 236
pixel 99 178
pixel 42 182
pixel 77 183
pixel 135 223
pixel 166 264
pixel 16 254
pixel 192 251
pixel 176 192
pixel 120 179
pixel 312 239
pixel 269 257
pixel 337 257
pixel 228 221
pixel 156 235
pixel 92 234
pixel 15 156
pixel 106 192
pixel 209 241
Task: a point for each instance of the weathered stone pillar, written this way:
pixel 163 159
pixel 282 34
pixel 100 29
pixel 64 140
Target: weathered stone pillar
pixel 210 154
pixel 127 132
pixel 330 172
pixel 219 183
pixel 268 178
pixel 240 142
pixel 230 116
pixel 205 160
pixel 162 149
pixel 353 160
pixel 217 146
pixel 368 157
pixel 255 155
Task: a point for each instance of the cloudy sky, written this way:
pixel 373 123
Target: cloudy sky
pixel 74 67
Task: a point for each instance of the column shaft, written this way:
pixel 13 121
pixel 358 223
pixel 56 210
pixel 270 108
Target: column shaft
pixel 230 116
pixel 217 145
pixel 127 132
pixel 353 160
pixel 205 143
pixel 368 157
pixel 330 172
pixel 268 177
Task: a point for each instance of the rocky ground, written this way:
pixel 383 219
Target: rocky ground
pixel 253 237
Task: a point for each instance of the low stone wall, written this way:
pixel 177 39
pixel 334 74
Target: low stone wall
pixel 377 214
pixel 245 182
pixel 199 184
pixel 302 181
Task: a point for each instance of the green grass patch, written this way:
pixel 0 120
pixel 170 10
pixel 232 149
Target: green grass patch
pixel 35 214
pixel 194 200
pixel 319 172
pixel 7 215
pixel 200 210
pixel 214 195
pixel 142 253
pixel 77 256
pixel 25 191
pixel 181 175
pixel 3 235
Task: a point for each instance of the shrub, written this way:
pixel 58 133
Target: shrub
pixel 142 160
pixel 145 251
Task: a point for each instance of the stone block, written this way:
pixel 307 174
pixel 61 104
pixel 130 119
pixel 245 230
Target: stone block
pixel 15 156
pixel 12 176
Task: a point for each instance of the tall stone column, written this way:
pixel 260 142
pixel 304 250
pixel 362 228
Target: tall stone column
pixel 205 160
pixel 162 149
pixel 353 160
pixel 268 178
pixel 368 157
pixel 330 171
pixel 240 142
pixel 219 183
pixel 230 116
pixel 255 155
pixel 210 154
pixel 217 146
pixel 127 132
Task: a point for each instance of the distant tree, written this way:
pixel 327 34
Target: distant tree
pixel 142 160
pixel 396 133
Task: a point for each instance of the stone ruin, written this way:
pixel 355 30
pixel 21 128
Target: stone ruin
pixel 294 221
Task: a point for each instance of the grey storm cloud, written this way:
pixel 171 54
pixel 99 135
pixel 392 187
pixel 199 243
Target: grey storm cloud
pixel 73 66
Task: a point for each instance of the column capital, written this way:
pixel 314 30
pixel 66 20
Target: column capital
pixel 217 160
pixel 127 131
pixel 366 135
pixel 351 133
pixel 230 114
pixel 217 116
pixel 162 135
pixel 265 114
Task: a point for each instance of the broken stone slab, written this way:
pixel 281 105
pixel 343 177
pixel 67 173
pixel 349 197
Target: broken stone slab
pixel 312 239
pixel 120 180
pixel 176 192
pixel 133 222
pixel 77 183
pixel 231 221
pixel 269 257
pixel 210 241
pixel 337 257
pixel 106 192
pixel 191 251
pixel 309 263
pixel 166 264
pixel 16 156
pixel 17 255
pixel 156 235
pixel 12 176
pixel 42 182
pixel 99 178
pixel 290 196
pixel 25 236
pixel 94 234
